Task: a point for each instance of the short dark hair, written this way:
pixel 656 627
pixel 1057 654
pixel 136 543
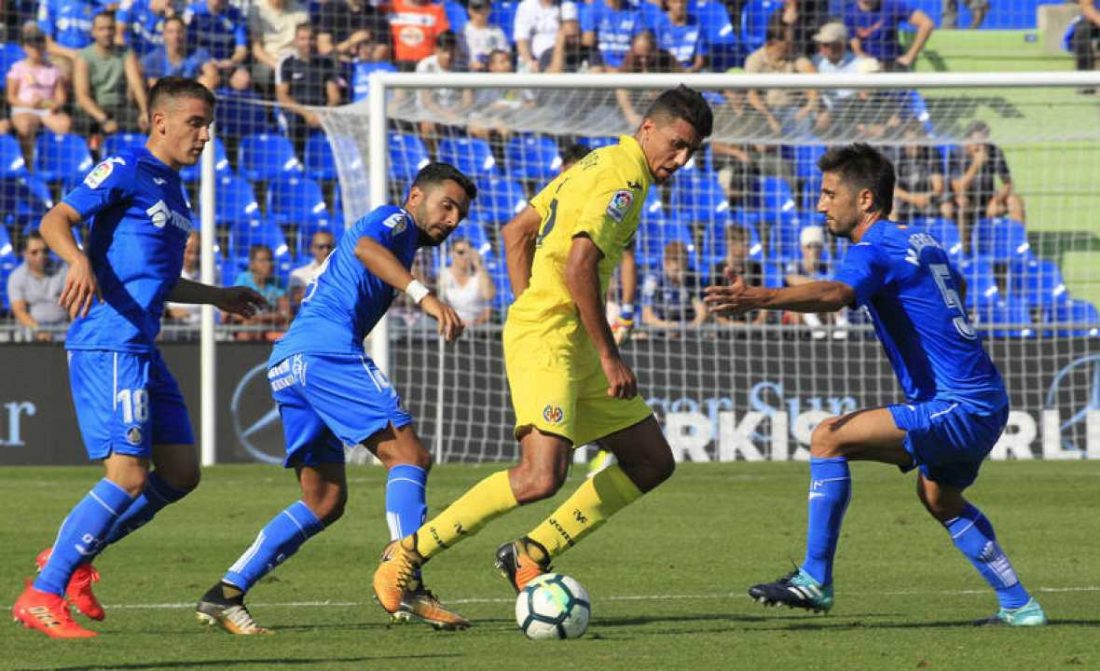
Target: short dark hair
pixel 861 166
pixel 684 103
pixel 104 14
pixel 446 40
pixel 573 153
pixel 977 126
pixel 168 88
pixel 33 235
pixel 776 30
pixel 255 250
pixel 175 18
pixel 435 174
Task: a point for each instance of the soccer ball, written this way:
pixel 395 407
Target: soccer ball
pixel 553 606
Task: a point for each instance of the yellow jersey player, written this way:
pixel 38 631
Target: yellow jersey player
pixel 569 384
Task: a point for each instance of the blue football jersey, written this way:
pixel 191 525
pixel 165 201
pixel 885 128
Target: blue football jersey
pixel 345 300
pixel 68 22
pixel 906 282
pixel 614 28
pixel 139 222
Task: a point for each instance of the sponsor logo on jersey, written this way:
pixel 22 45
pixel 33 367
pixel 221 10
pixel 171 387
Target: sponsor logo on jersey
pixel 620 205
pixel 553 413
pixel 160 214
pixel 133 435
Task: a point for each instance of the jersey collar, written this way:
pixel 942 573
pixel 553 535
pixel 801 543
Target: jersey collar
pixel 635 151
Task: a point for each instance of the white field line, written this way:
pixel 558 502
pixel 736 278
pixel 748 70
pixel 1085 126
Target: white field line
pixel 623 597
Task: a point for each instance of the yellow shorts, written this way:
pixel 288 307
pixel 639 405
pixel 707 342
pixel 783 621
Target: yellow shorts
pixel 559 387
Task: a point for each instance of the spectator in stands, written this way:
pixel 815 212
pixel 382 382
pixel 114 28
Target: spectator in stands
pixel 569 53
pixel 67 25
pixel 681 34
pixel 446 106
pixel 737 261
pixel 811 268
pixel 260 277
pixel 494 109
pixel 673 298
pixel 536 28
pixel 919 191
pixel 36 92
pixel 139 25
pixel 173 60
pixel 272 25
pixel 1086 37
pixel 240 110
pixel 788 112
pixel 370 56
pixel 610 26
pixel 803 18
pixel 108 85
pixel 221 29
pixel 34 287
pixel 416 26
pixel 305 79
pixel 467 286
pixel 481 38
pixel 644 56
pixel 342 24
pixel 833 57
pixel 571 154
pixel 873 25
pixel 188 314
pixel 974 173
pixel 320 247
pixel 978 10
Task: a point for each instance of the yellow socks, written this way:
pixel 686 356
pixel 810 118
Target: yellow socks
pixel 600 497
pixel 481 504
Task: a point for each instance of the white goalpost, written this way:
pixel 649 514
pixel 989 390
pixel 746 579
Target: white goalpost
pixel 740 390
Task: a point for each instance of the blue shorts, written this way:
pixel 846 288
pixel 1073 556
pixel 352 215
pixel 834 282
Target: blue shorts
pixel 327 401
pixel 126 403
pixel 948 440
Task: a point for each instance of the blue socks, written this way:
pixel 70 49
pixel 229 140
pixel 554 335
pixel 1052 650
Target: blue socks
pixel 974 537
pixel 83 534
pixel 830 492
pixel 156 495
pixel 406 507
pixel 280 539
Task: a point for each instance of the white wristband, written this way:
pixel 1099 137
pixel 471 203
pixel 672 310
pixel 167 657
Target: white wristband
pixel 417 291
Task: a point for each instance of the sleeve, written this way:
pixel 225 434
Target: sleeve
pixel 608 205
pixel 150 65
pixel 240 31
pixel 1001 165
pixel 16 287
pixel 521 24
pixel 588 17
pixel 108 184
pixel 862 270
pixel 16 70
pixel 282 73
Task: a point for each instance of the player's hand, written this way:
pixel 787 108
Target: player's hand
pixel 81 289
pixel 621 382
pixel 448 323
pixel 733 298
pixel 109 127
pixel 240 301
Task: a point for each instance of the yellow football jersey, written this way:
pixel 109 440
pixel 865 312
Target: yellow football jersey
pixel 602 197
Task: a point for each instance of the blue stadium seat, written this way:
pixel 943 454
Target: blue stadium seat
pixel 244 236
pixel 1077 312
pixel 981 283
pixel 774 275
pixel 236 202
pixel 12 163
pixel 407 156
pixel 60 157
pixel 533 157
pixel 266 156
pixel 9 259
pixel 23 201
pixel 498 270
pixel 1038 281
pixel 775 199
pixel 473 232
pixel 503 14
pixel 754 22
pixel 470 155
pixel 294 200
pixel 498 200
pixel 701 161
pixel 598 141
pixel 698 196
pixel 191 174
pixel 1010 317
pixel 714 242
pixel 320 162
pixel 654 232
pixel 10 54
pixel 811 192
pixel 999 240
pixel 113 144
pixel 947 233
pixel 784 244
pixel 805 159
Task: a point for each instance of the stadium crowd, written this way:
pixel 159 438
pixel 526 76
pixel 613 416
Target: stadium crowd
pixel 78 72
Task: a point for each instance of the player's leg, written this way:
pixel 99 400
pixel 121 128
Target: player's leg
pixel 864 435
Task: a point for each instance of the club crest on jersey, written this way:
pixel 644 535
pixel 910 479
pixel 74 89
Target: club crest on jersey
pixel 553 413
pixel 133 435
pixel 101 172
pixel 620 205
pixel 396 222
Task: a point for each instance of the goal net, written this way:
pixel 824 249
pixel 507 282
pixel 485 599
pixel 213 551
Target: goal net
pixel 1004 176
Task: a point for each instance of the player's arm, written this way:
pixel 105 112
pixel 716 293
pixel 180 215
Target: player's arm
pixel 240 301
pixel 738 297
pixel 519 236
pixel 381 262
pixel 924 25
pixel 583 281
pixel 81 287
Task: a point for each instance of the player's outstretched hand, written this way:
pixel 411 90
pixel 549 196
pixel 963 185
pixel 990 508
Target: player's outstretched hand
pixel 448 323
pixel 621 382
pixel 241 301
pixel 81 289
pixel 733 298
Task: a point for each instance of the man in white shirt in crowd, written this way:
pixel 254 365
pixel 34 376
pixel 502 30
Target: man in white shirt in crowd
pixel 833 57
pixel 536 28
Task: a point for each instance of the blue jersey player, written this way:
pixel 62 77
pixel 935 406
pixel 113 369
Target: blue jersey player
pixel 955 402
pixel 330 394
pixel 129 407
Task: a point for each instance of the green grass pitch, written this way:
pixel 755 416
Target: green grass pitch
pixel 667 578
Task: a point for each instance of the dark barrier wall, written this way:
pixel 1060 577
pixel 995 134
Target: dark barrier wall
pixel 718 398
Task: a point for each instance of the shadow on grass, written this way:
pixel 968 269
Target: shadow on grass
pixel 230 663
pixel 696 618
